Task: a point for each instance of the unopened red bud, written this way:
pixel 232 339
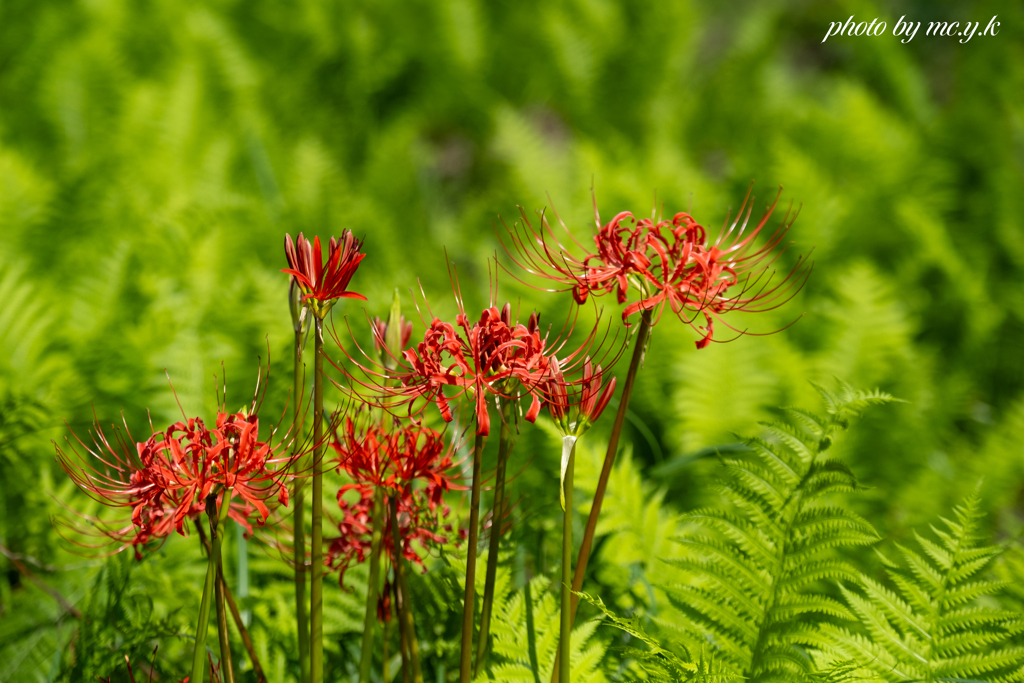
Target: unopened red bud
pixel 603 402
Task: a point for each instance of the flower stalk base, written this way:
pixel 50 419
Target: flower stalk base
pixel 466 658
pixel 504 449
pixel 565 629
pixel 202 625
pixel 316 621
pixel 372 586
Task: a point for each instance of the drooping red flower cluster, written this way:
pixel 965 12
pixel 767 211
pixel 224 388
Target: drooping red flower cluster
pixel 320 283
pixel 166 479
pixel 410 464
pixel 670 262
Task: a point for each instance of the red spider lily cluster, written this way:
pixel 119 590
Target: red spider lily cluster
pixel 166 478
pixel 322 284
pixel 492 351
pixel 650 264
pixel 411 464
pixel 670 262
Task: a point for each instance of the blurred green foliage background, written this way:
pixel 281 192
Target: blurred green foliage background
pixel 153 154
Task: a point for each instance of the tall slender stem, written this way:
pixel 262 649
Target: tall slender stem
pixel 405 618
pixel 504 448
pixel 403 647
pixel 566 612
pixel 609 458
pixel 203 623
pixel 466 657
pixel 299 515
pixel 384 646
pixel 316 622
pixel 370 618
pixel 227 667
pixel 236 616
pixel 606 469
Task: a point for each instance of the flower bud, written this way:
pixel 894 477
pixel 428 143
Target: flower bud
pixel 390 338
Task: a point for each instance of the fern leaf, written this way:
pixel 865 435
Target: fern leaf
pixel 753 570
pixel 935 630
pixel 509 630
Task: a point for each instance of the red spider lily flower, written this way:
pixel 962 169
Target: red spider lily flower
pixel 122 475
pixel 672 263
pixel 491 352
pixel 417 525
pixel 322 284
pixel 716 278
pixel 620 252
pixel 411 465
pixel 398 459
pixel 165 479
pixel 497 356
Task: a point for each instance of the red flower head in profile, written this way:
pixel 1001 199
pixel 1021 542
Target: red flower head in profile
pixel 411 465
pixel 669 263
pixel 166 479
pixel 323 284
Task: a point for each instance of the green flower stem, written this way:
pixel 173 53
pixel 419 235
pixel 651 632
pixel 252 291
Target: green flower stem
pixel 403 649
pixel 384 650
pixel 606 469
pixel 299 516
pixel 405 618
pixel 236 615
pixel 227 668
pixel 203 623
pixel 504 449
pixel 316 622
pixel 466 656
pixel 370 618
pixel 566 613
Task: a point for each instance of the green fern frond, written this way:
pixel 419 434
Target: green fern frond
pixel 932 628
pixel 661 665
pixel 754 568
pixel 510 629
pixel 850 402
